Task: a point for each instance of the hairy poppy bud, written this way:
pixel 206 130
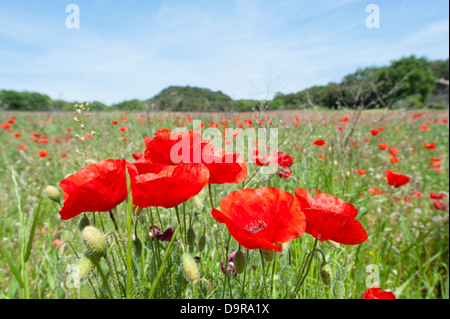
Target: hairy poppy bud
pixel 84 221
pixel 267 254
pixel 286 274
pixel 52 193
pixel 190 267
pixel 202 243
pixel 61 269
pixel 137 245
pixel 94 240
pixel 191 237
pixel 85 266
pixel 86 291
pixel 239 262
pixel 333 244
pixel 339 289
pixel 326 273
pixel 60 293
pixel 198 203
pixel 90 162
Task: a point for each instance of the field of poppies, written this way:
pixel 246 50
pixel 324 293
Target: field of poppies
pixel 289 204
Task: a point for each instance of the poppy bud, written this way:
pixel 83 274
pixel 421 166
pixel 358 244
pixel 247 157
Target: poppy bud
pixel 202 243
pixel 90 162
pixel 84 221
pixel 198 203
pixel 85 266
pixel 60 293
pixel 61 269
pixel 94 240
pixel 190 267
pixel 191 237
pixel 286 274
pixel 137 245
pixel 239 262
pixel 333 244
pixel 267 254
pixel 86 291
pixel 326 274
pixel 339 289
pixel 52 193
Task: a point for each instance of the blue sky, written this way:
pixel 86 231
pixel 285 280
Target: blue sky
pixel 245 48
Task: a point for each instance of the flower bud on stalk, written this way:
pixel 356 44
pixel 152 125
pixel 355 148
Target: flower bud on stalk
pixel 86 291
pixel 84 221
pixel 239 262
pixel 61 269
pixel 85 266
pixel 137 245
pixel 339 289
pixel 286 274
pixel 326 274
pixel 202 243
pixel 267 254
pixel 190 236
pixel 52 193
pixel 94 240
pixel 190 267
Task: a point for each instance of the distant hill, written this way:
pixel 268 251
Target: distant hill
pixel 409 82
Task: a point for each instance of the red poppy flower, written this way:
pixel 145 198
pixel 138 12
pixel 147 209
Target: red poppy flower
pixel 319 142
pixel 430 146
pixel 394 151
pixel 330 218
pixel 224 167
pixel 260 218
pixel 123 129
pixel 417 195
pixel 95 188
pixel 424 128
pixel 167 186
pixel 174 148
pixel 440 205
pixel 283 160
pixel 394 160
pixel 137 156
pixel 396 179
pixel 433 196
pixel 155 233
pixel 285 173
pixel 374 132
pixel 378 293
pixel 43 153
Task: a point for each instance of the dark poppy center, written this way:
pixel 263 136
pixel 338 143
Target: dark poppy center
pixel 256 226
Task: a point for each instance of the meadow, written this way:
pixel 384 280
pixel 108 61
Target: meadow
pixel 343 153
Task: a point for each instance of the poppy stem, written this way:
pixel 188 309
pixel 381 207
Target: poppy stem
pixel 179 221
pixel 210 196
pixel 308 262
pixel 111 214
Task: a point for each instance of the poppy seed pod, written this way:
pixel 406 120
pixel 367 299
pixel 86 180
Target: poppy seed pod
pixel 326 274
pixel 190 267
pixel 239 262
pixel 84 221
pixel 52 193
pixel 202 243
pixel 94 240
pixel 190 236
pixel 339 289
pixel 267 254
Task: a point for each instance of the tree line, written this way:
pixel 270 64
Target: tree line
pixel 409 82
